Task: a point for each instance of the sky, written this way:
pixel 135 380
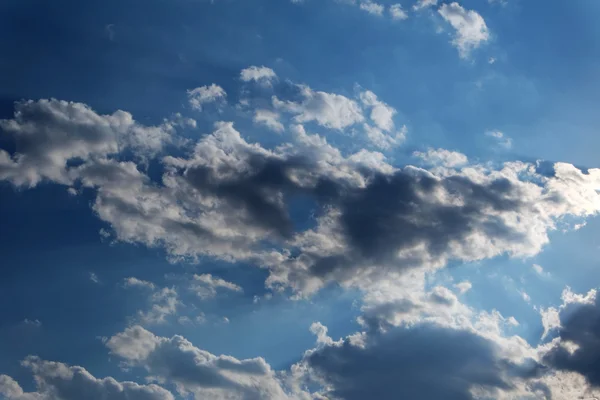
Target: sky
pixel 299 199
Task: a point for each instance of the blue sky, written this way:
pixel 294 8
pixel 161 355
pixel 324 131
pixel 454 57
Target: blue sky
pixel 275 199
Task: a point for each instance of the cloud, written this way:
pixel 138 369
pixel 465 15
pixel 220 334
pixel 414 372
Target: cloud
pixel 397 12
pixel 94 277
pixel 262 75
pixel 371 7
pixel 270 119
pixel 49 133
pixel 229 198
pixel 204 95
pixel 422 4
pixel 442 157
pixel 139 283
pixel 329 110
pixel 59 381
pixel 163 303
pixel 501 138
pixel 196 371
pixel 471 29
pixel 381 113
pixel 463 287
pixel 405 362
pixel 577 348
pixel 206 285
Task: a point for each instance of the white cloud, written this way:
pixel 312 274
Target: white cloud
pixel 262 75
pixel 540 270
pixel 381 113
pixel 204 95
pixel 371 7
pixel 422 4
pixel 56 380
pixel 501 138
pixel 139 283
pixel 471 29
pixel 270 119
pixel 397 12
pixel 206 285
pixel 196 371
pixel 163 303
pixel 463 287
pixel 329 110
pixel 442 157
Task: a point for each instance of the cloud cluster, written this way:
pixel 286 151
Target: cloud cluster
pixel 56 381
pixel 196 371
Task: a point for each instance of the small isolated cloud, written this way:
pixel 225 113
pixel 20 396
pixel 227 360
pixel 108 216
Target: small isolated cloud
pixel 463 287
pixel 470 27
pixel 397 12
pixel 110 31
pixel 258 74
pixel 501 138
pixel 421 4
pixel 371 7
pixel 94 277
pixel 540 270
pixel 270 119
pixel 205 94
pixel 206 285
pixel 442 157
pixel 525 296
pixel 133 282
pixel 163 303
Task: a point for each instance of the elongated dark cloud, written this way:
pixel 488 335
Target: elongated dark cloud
pixel 423 362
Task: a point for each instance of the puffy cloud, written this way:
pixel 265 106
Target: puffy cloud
pixel 371 7
pixel 229 198
pixel 50 133
pixel 195 371
pixel 442 157
pixel 330 110
pixel 262 75
pixel 206 285
pixel 463 287
pixel 205 94
pixel 397 12
pixel 471 29
pixel 381 113
pixel 577 348
pixel 59 381
pixel 420 362
pixel 270 119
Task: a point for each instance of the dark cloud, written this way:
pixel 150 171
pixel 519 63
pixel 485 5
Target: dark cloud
pixel 422 362
pixel 580 326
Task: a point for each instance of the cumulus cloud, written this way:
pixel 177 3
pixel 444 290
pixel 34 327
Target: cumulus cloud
pixel 204 95
pixel 577 347
pixel 56 380
pixel 196 371
pixel 163 303
pixel 49 133
pixel 329 110
pixel 133 282
pixel 397 12
pixel 470 27
pixel 262 75
pixel 371 7
pixel 405 362
pixel 270 119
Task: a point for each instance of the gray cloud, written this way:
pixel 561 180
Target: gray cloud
pixel 58 381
